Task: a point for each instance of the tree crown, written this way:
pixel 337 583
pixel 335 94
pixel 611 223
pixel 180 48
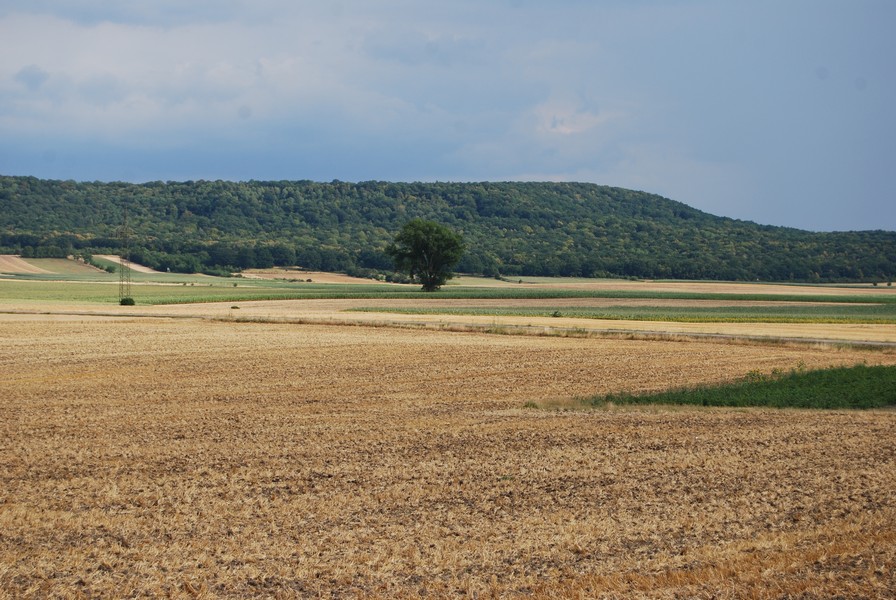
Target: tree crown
pixel 427 251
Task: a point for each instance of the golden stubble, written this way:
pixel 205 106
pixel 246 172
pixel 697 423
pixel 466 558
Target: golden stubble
pixel 192 458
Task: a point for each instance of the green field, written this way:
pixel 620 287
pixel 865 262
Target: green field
pixel 855 387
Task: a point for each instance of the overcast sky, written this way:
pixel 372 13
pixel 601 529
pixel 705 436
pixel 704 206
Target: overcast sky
pixel 779 112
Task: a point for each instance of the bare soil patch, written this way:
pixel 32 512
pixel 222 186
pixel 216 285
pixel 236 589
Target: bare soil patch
pixel 172 457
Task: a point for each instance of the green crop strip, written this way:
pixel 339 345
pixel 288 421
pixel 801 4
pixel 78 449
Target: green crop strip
pixel 858 387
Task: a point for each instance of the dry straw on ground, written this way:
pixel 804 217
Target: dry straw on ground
pixel 196 458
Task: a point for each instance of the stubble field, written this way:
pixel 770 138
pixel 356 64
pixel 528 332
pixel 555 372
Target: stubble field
pixel 154 456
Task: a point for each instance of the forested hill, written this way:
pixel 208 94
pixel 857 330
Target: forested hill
pixel 510 229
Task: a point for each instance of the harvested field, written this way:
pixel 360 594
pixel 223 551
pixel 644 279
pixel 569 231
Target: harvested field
pixel 17 265
pixel 340 311
pixel 114 258
pixel 314 276
pixel 197 458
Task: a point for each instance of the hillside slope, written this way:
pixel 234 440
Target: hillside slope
pixel 510 228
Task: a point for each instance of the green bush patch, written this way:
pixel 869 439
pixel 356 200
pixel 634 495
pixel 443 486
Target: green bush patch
pixel 859 387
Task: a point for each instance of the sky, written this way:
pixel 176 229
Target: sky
pixel 779 112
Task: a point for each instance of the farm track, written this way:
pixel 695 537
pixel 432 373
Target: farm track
pixel 209 457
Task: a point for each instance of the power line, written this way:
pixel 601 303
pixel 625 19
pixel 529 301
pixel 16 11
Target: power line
pixel 124 270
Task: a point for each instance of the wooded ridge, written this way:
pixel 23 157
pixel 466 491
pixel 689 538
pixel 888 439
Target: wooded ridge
pixel 510 229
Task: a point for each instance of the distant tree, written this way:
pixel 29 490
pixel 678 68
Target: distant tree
pixel 427 251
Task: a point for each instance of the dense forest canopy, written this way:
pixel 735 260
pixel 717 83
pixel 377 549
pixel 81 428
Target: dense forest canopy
pixel 569 229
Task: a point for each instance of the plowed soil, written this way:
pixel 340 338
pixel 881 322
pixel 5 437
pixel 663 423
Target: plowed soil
pixel 195 458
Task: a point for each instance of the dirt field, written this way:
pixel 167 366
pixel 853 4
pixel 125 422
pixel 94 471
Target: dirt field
pixel 195 458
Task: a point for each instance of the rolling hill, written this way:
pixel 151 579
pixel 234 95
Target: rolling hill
pixel 569 229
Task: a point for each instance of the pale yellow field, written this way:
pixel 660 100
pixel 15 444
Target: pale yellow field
pixel 131 265
pixel 339 311
pixel 191 457
pixel 314 276
pixel 15 264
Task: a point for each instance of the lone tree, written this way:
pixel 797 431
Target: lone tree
pixel 428 252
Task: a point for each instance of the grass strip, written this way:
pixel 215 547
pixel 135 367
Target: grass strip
pixel 857 387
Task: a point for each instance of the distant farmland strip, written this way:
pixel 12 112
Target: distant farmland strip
pixel 883 314
pixel 162 288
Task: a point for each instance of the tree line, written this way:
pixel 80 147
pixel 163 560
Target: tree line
pixel 509 229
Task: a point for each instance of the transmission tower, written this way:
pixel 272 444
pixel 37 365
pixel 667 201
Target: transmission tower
pixel 124 270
